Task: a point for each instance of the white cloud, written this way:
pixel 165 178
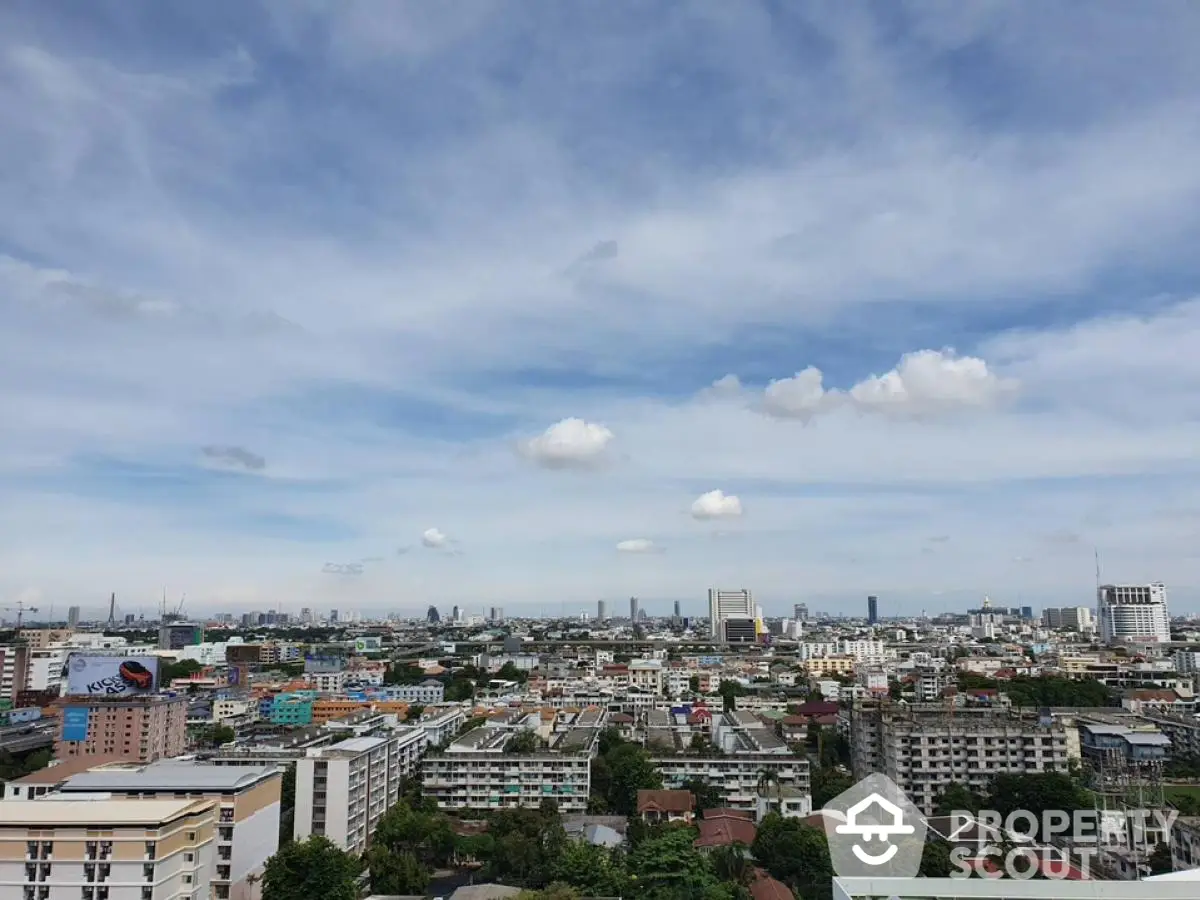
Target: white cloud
pixel 568 444
pixel 434 539
pixel 930 382
pixel 638 545
pixel 800 397
pixel 716 505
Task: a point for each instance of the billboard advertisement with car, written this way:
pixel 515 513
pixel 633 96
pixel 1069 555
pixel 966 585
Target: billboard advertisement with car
pixel 111 676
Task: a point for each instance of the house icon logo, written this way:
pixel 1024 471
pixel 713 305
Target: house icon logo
pixel 874 830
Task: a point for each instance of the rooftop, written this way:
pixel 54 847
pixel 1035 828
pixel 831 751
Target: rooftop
pixel 98 812
pixel 169 776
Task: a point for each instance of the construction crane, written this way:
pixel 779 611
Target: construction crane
pixel 20 609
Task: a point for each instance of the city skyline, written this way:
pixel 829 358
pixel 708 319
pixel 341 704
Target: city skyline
pixel 359 307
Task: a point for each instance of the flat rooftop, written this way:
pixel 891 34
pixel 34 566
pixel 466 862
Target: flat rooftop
pixel 169 776
pixel 98 812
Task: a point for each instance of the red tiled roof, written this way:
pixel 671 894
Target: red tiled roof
pixel 767 888
pixel 665 801
pixel 722 831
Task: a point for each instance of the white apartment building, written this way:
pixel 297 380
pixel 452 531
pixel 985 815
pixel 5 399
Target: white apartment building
pixel 1187 662
pixel 873 652
pixel 724 605
pixel 476 773
pixel 106 849
pixel 328 682
pixel 924 751
pixel 1075 618
pixel 442 725
pixel 738 776
pixel 342 791
pixel 429 691
pixel 1133 612
pixel 646 675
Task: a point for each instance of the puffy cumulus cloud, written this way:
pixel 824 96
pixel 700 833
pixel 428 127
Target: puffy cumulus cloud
pixel 716 505
pixel 932 381
pixel 924 383
pixel 800 397
pixel 638 545
pixel 434 539
pixel 571 443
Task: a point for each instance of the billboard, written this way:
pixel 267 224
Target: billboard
pixel 368 645
pixel 75 723
pixel 111 676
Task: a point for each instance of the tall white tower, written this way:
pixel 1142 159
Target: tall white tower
pixel 728 605
pixel 1133 612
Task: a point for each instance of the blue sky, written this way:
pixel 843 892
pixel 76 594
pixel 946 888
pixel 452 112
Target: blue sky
pixel 373 305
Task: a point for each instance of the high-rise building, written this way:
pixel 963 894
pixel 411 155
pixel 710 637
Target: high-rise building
pixel 633 609
pixel 676 609
pixel 872 610
pixel 305 615
pixel 601 611
pixel 433 617
pixel 1133 612
pixel 333 615
pixel 118 848
pixel 1076 618
pixel 342 791
pixel 800 612
pixel 728 605
pixel 497 615
pixel 14 670
pixel 72 616
pixel 141 727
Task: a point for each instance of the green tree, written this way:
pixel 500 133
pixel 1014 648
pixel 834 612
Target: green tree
pixel 935 860
pixel 459 691
pixel 708 795
pixel 524 742
pixel 957 797
pixel 414 712
pixel 730 691
pixel 694 684
pixel 732 863
pixel 1037 792
pixel 629 771
pixel 827 784
pixel 594 871
pixel 526 845
pixel 216 735
pixel 287 805
pixel 667 866
pixel 167 672
pixel 1160 860
pixel 312 868
pixel 509 672
pixel 396 873
pixel 795 853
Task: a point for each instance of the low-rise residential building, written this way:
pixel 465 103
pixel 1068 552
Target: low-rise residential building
pixel 666 806
pixel 101 847
pixel 429 691
pixel 739 777
pixel 247 801
pixel 475 772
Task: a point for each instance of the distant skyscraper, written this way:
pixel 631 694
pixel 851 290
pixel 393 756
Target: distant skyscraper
pixel 72 616
pixel 601 611
pixel 333 615
pixel 800 612
pixel 305 614
pixel 677 609
pixel 872 610
pixel 432 616
pixel 1027 612
pixel 633 609
pixel 496 615
pixel 724 605
pixel 1134 612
